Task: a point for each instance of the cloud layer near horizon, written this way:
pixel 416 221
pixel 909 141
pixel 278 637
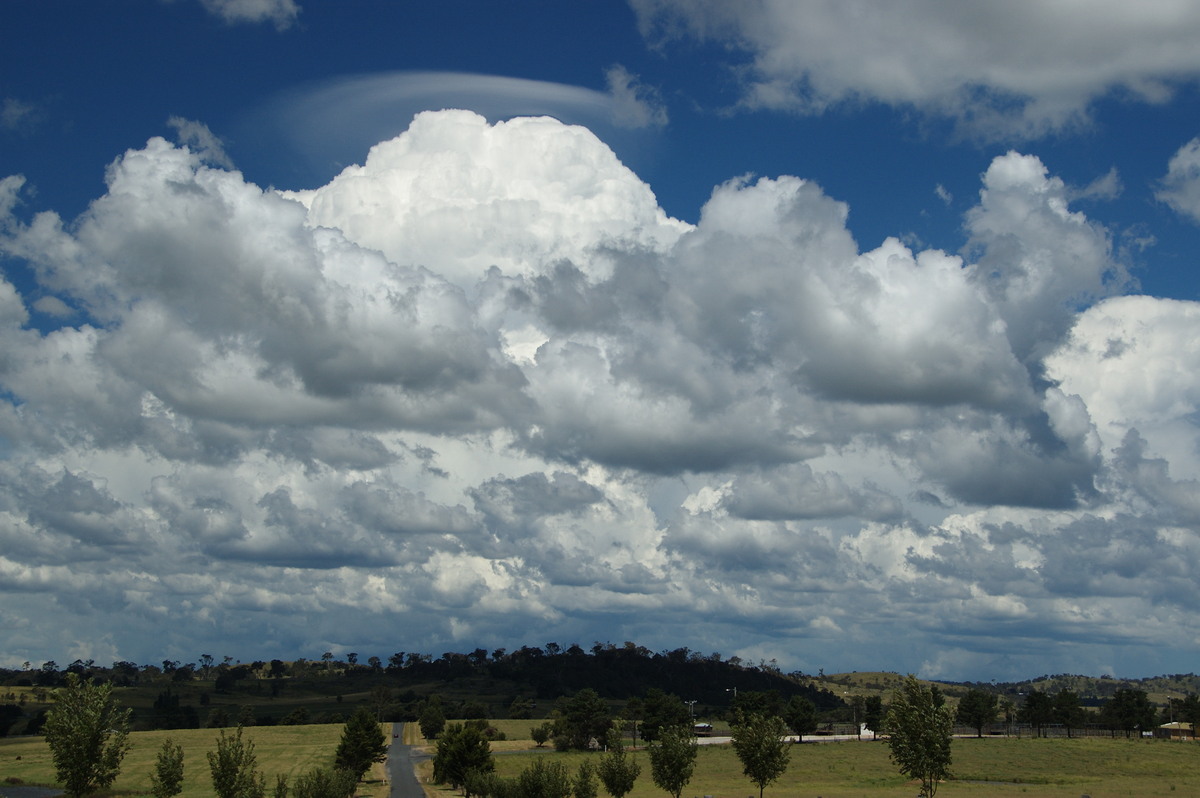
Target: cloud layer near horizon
pixel 481 390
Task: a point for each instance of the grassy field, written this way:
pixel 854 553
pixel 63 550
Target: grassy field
pixel 287 750
pixel 987 768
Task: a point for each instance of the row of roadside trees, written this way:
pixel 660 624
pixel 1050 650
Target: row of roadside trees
pixel 918 723
pixel 1128 710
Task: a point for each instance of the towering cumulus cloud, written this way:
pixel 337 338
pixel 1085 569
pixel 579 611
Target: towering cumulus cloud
pixel 481 389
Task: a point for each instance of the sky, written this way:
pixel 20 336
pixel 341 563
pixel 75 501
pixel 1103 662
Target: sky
pixel 837 334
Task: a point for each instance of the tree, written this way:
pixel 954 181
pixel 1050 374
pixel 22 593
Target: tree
pixel 660 710
pixel 977 709
pixel 540 734
pixel 166 779
pixel 324 783
pixel 1068 710
pixel 582 718
pixel 87 735
pixel 873 714
pixel 461 748
pixel 234 768
pixel 618 771
pixel 363 742
pixel 544 780
pixel 800 715
pixel 1189 711
pixel 919 730
pixel 672 759
pixel 431 720
pixel 762 747
pixel 1037 711
pixel 1128 709
pixel 585 785
pixel 752 702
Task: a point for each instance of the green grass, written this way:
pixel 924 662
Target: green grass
pixel 288 750
pixel 988 768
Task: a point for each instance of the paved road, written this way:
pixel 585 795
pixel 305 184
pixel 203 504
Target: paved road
pixel 401 766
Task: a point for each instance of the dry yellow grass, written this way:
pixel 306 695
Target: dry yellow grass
pixel 280 750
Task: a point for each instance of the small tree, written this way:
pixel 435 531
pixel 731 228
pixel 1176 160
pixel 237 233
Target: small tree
pixel 363 742
pixel 920 727
pixel 87 735
pixel 540 734
pixel 234 768
pixel 585 784
pixel 544 780
pixel 760 744
pixel 977 709
pixel 166 779
pixel 618 771
pixel 324 783
pixel 460 749
pixel 672 759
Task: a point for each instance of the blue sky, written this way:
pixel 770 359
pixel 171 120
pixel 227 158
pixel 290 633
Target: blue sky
pixel 850 335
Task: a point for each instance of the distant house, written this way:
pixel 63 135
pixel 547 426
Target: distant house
pixel 1175 731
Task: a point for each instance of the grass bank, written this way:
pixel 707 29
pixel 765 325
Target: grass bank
pixel 286 750
pixel 987 768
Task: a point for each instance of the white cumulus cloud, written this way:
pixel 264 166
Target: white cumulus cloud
pixel 482 384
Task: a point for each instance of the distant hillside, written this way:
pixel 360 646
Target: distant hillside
pixel 499 684
pixel 524 683
pixel 1092 690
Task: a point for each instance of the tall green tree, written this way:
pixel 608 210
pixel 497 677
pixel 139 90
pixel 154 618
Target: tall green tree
pixel 1129 709
pixel 431 720
pixel 919 728
pixel 873 714
pixel 660 710
pixel 87 734
pixel 1068 710
pixel 762 747
pixel 363 743
pixel 618 770
pixel 582 718
pixel 1037 710
pixel 978 709
pixel 673 759
pixel 166 779
pixel 800 715
pixel 461 748
pixel 234 767
pixel 1189 711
